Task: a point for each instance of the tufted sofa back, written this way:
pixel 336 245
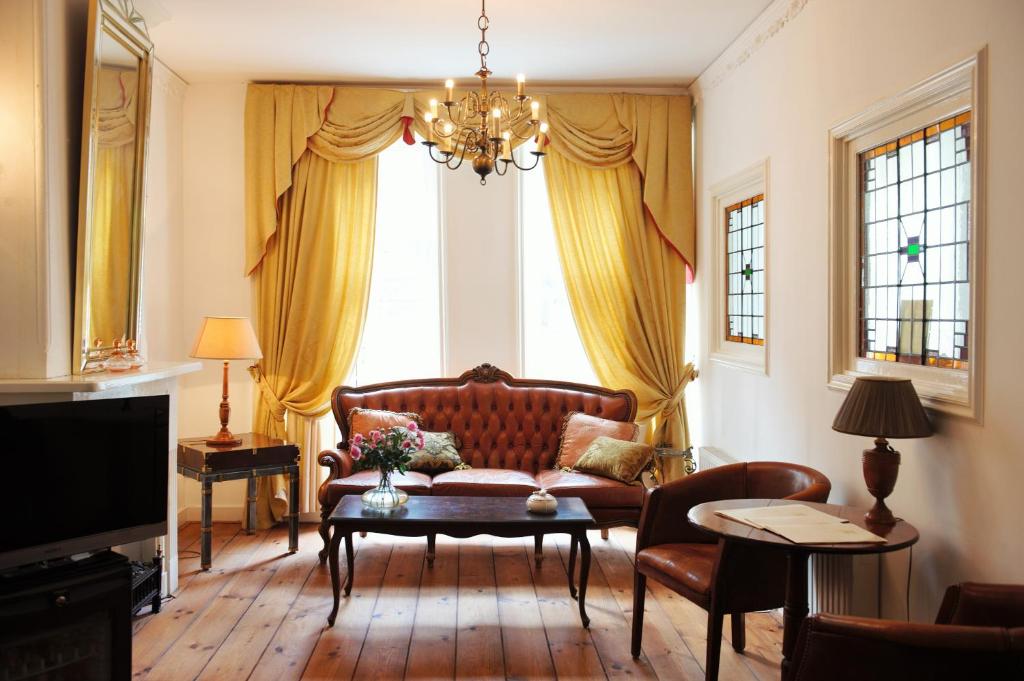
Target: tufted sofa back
pixel 502 422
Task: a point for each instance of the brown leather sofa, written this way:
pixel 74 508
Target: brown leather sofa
pixel 978 634
pixel 721 578
pixel 509 429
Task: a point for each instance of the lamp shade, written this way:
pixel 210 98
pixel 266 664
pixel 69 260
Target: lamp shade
pixel 882 406
pixel 226 338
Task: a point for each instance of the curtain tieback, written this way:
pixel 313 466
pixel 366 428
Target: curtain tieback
pixel 277 409
pixel 689 373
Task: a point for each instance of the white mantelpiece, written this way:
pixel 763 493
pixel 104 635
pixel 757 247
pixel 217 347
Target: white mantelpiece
pixel 156 378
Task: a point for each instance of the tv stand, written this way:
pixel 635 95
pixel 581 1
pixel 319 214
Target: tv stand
pixel 67 619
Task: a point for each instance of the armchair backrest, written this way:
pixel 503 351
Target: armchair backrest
pixel 983 605
pixel 777 480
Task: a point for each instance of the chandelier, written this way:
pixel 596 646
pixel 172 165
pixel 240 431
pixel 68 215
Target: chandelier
pixel 483 124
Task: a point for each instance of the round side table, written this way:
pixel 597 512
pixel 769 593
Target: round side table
pixel 898 536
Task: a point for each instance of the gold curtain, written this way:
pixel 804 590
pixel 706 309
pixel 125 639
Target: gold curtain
pixel 626 272
pixel 311 194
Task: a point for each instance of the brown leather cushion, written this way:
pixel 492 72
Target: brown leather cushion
pixel 687 564
pixel 484 482
pixel 596 492
pixel 364 420
pixel 580 430
pixel 357 483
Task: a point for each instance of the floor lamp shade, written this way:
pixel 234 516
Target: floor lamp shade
pixel 882 407
pixel 226 338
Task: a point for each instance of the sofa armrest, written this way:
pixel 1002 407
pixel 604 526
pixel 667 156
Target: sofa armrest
pixel 663 519
pixel 882 650
pixel 339 465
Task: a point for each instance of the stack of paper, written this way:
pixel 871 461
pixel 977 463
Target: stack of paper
pixel 802 524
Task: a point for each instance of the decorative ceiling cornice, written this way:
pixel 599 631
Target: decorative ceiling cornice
pixel 772 20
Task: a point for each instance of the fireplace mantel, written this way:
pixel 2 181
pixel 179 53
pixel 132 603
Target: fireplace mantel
pixel 91 383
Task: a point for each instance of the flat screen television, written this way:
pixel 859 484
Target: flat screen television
pixel 81 476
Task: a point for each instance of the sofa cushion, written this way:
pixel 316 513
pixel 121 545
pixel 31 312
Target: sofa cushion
pixel 596 492
pixel 484 482
pixel 616 459
pixel 364 420
pixel 580 430
pixel 440 453
pixel 357 483
pixel 689 565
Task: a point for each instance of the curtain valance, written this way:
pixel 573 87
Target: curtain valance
pixel 652 131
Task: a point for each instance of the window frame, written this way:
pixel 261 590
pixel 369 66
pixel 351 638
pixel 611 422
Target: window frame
pixel 958 88
pixel 745 184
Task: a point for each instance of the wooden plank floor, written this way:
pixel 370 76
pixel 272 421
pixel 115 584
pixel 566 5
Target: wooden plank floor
pixel 484 611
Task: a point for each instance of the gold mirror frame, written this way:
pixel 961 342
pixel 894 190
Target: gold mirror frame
pixel 119 21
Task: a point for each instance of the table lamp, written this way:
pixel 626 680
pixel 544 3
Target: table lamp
pixel 882 407
pixel 226 338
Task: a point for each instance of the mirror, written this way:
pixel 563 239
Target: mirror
pixel 114 135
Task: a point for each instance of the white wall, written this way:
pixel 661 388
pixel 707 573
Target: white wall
pixel 480 255
pixel 961 488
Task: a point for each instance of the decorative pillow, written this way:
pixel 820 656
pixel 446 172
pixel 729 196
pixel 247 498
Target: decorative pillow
pixel 440 453
pixel 364 420
pixel 579 430
pixel 615 459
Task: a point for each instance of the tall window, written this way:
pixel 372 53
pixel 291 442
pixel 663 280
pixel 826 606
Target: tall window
pixel 551 343
pixel 744 225
pixel 402 336
pixel 915 215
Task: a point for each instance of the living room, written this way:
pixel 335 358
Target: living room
pixel 546 340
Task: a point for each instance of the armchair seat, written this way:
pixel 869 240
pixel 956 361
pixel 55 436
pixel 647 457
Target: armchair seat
pixel 680 566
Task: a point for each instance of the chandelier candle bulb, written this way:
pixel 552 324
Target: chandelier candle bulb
pixel 520 86
pixel 429 119
pixel 433 108
pixel 449 91
pixel 496 123
pixel 534 111
pixel 542 136
pixel 506 146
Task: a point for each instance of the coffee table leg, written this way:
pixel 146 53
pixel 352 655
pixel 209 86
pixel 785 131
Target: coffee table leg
pixel 795 609
pixel 332 558
pixel 350 559
pixel 584 574
pixel 571 573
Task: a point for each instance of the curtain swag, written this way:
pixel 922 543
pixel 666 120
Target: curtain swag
pixel 345 124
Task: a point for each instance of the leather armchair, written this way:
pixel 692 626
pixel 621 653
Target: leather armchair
pixel 723 578
pixel 978 634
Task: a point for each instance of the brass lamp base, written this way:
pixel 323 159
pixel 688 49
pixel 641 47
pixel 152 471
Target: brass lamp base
pixel 225 438
pixel 881 467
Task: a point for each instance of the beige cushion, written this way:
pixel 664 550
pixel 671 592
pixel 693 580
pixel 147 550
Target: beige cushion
pixel 616 459
pixel 440 453
pixel 579 430
pixel 362 421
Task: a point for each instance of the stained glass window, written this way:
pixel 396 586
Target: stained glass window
pixel 915 234
pixel 744 259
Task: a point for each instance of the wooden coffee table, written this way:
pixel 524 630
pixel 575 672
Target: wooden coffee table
pixel 461 517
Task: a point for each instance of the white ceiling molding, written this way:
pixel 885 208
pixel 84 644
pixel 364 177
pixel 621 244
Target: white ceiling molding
pixel 772 20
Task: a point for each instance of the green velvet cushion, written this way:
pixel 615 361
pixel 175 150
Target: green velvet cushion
pixel 440 453
pixel 616 459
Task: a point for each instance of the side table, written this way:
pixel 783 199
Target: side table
pixel 258 455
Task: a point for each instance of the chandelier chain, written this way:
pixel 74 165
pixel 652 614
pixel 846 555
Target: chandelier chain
pixel 484 48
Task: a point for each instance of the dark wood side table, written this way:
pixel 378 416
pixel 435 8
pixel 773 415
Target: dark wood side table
pixel 898 536
pixel 258 455
pixel 462 517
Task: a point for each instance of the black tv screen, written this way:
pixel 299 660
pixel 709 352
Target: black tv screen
pixel 81 476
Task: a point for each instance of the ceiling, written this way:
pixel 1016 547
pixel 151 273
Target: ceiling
pixel 579 42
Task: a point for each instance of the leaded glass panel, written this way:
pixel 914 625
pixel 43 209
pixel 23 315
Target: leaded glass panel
pixel 744 259
pixel 915 235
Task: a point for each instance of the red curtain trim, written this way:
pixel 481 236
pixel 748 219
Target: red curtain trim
pixel 407 135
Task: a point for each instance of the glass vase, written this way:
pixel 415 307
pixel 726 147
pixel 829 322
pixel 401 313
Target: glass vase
pixel 385 496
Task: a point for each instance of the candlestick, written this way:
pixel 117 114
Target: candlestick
pixel 433 108
pixel 449 91
pixel 520 85
pixel 506 146
pixel 542 136
pixel 534 111
pixel 496 122
pixel 429 119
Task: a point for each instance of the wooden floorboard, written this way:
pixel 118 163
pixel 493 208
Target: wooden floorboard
pixel 483 611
